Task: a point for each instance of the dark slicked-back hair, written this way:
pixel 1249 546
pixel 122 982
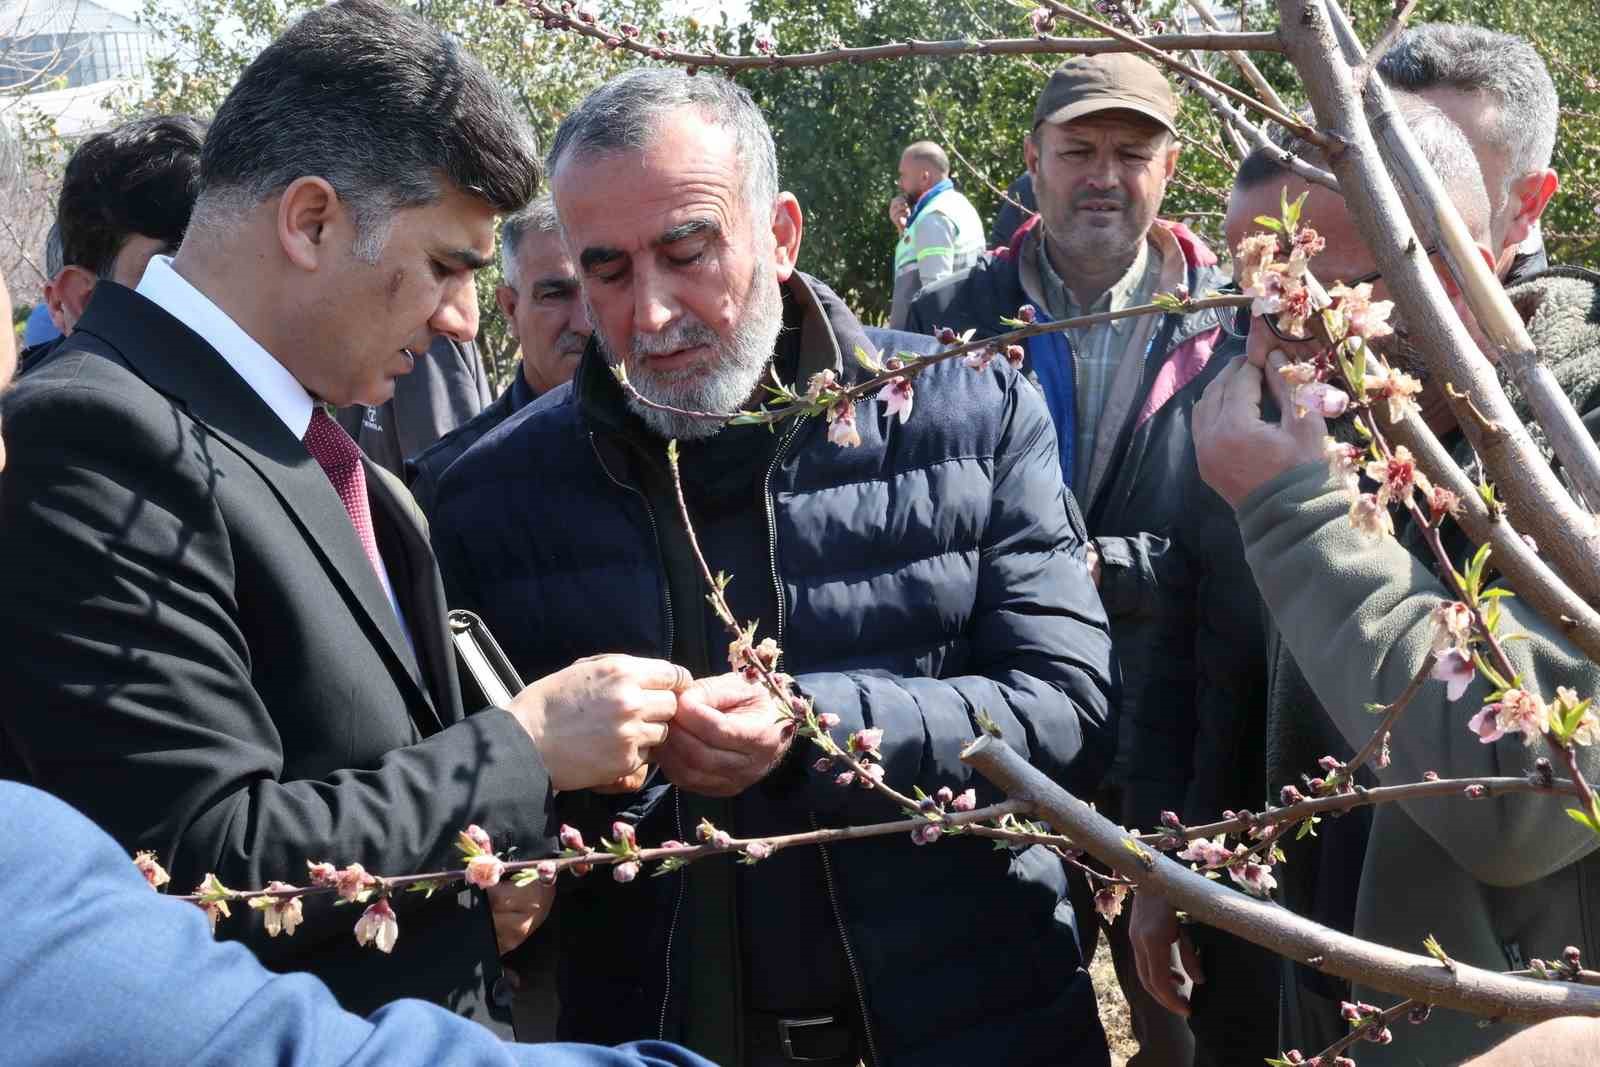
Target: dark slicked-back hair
pixel 139 178
pixel 387 109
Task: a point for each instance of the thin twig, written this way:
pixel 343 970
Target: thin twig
pixel 1380 736
pixel 619 39
pixel 1377 1022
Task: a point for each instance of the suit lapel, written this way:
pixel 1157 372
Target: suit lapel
pixel 179 363
pixel 414 574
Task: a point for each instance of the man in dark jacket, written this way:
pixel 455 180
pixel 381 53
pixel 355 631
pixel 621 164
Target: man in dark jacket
pixel 539 298
pixel 562 529
pixel 1101 151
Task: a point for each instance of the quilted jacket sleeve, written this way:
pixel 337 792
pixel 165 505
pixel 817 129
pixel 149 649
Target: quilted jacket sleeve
pixel 1040 652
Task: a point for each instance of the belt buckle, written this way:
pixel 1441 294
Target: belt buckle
pixel 787 1025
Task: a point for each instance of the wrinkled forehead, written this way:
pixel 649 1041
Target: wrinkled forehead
pixel 1114 125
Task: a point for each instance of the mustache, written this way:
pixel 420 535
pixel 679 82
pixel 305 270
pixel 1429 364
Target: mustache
pixel 685 333
pixel 1118 198
pixel 572 343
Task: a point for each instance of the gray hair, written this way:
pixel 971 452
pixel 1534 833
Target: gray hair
pixel 930 155
pixel 55 256
pixel 625 113
pixel 537 218
pixel 1500 65
pixel 1440 141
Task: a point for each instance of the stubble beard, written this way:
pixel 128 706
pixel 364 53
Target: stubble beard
pixel 724 383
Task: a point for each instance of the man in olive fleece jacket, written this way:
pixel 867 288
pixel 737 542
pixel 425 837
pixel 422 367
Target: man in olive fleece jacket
pixel 1497 881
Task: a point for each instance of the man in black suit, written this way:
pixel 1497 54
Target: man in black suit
pixel 224 629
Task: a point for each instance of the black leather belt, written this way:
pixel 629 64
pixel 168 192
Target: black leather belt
pixel 817 1039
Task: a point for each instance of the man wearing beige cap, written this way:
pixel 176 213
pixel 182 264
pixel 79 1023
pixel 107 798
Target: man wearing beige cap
pixel 1100 152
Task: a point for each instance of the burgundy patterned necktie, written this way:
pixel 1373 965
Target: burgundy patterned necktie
pixel 340 459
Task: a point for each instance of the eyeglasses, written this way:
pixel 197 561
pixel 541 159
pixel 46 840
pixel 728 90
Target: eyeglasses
pixel 1366 279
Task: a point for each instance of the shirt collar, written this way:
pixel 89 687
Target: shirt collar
pixel 266 377
pixel 927 198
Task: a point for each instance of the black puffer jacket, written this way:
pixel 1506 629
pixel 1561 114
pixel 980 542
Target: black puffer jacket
pixel 932 573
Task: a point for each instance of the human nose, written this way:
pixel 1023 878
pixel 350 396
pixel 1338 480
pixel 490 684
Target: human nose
pixel 652 302
pixel 457 314
pixel 578 316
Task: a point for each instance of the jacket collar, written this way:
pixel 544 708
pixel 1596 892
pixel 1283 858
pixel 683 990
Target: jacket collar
pixel 927 198
pixel 178 363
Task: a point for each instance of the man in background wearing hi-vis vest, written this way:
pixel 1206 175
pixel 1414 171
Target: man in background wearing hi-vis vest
pixel 940 232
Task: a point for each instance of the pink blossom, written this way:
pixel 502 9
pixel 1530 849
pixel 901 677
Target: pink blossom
pixel 354 882
pixel 945 335
pixel 153 872
pixel 485 870
pixel 823 765
pixel 767 653
pixel 1455 669
pixel 944 796
pixel 1442 502
pixel 1295 309
pixel 1207 852
pixel 1397 476
pixel 866 741
pixel 1299 372
pixel 926 834
pixel 571 838
pixel 870 773
pixel 842 425
pixel 625 872
pixel 1371 517
pixel 1396 388
pixel 279 914
pixel 322 874
pixel 1015 354
pixel 1026 313
pixel 378 926
pixel 1344 463
pixel 623 833
pixel 1043 21
pixel 821 382
pixel 214 909
pixel 213 899
pixel 1252 257
pixel 1452 626
pixel 758 850
pixel 845 778
pixel 1307 243
pixel 1326 400
pixel 547 872
pixel 967 801
pixel 478 837
pixel 898 396
pixel 765 46
pixel 1588 729
pixel 1256 878
pixel 827 720
pixel 1520 711
pixel 979 358
pixel 1363 318
pixel 1108 901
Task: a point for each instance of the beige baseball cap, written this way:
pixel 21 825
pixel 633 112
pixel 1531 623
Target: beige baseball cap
pixel 1109 81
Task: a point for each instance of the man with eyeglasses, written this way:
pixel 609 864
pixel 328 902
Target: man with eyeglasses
pixel 1349 627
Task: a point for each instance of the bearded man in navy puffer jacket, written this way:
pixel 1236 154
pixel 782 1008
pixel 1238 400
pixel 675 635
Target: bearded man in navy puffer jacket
pixel 919 569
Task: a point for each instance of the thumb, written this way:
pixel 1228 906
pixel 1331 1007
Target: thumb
pixel 1304 422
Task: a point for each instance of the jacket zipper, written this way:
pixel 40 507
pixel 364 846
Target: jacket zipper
pixel 827 866
pixel 677 807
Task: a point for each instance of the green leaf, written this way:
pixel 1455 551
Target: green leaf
pixel 865 359
pixel 987 724
pixel 1491 674
pixel 1307 827
pixel 1583 820
pixel 1291 212
pixel 1270 223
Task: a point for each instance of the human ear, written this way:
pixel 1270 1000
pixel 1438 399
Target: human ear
pixel 307 209
pixel 788 224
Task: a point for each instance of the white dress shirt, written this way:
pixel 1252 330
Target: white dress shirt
pixel 266 377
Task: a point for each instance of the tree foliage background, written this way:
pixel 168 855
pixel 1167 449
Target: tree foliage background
pixel 840 128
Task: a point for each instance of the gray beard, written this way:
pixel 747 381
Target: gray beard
pixel 737 365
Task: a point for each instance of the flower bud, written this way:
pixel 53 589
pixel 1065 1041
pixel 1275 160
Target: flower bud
pixel 625 872
pixel 1290 795
pixel 478 836
pixel 823 765
pixel 945 795
pixel 547 872
pixel 925 834
pixel 945 335
pixel 827 720
pixel 152 871
pixel 1419 1014
pixel 1475 791
pixel 1026 313
pixel 485 870
pixel 1572 957
pixel 571 838
pixel 623 833
pixel 1015 355
pixel 322 873
pixel 967 801
pixel 845 778
pixel 758 850
pixel 1170 820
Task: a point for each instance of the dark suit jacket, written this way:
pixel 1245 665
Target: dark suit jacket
pixel 202 660
pixel 424 470
pixel 149 987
